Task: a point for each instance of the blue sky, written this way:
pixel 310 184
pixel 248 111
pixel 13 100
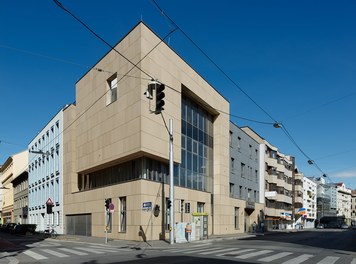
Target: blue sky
pixel 295 59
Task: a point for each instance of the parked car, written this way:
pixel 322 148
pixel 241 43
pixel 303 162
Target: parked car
pixel 320 226
pixel 23 229
pixel 8 227
pixel 344 226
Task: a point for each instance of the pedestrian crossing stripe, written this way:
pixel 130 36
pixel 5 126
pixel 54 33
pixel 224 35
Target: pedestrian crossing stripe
pixel 54 253
pixel 275 257
pixel 34 255
pixel 75 252
pixel 254 254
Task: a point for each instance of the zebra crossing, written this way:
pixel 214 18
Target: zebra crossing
pixel 43 254
pixel 254 255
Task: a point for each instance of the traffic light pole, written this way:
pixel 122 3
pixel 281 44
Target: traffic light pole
pixel 171 187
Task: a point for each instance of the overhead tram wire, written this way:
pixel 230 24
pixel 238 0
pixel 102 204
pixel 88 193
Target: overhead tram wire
pixel 59 4
pixel 276 123
pixel 68 62
pixel 213 62
pixel 124 75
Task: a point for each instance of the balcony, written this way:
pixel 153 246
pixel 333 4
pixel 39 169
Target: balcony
pixel 271 195
pixel 298 188
pixel 298 199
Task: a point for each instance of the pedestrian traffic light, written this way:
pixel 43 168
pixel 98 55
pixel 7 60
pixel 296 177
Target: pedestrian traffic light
pixel 49 208
pixel 159 98
pixel 169 203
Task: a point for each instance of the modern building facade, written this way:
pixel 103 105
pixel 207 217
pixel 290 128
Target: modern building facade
pixel 326 198
pixel 279 176
pixel 118 148
pixel 45 176
pixel 13 167
pixel 245 178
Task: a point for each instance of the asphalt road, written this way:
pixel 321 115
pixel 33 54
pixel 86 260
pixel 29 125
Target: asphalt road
pixel 307 247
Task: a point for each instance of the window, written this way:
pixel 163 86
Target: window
pixel 230 138
pixel 243 170
pixel 112 90
pixel 200 207
pixel 232 164
pixel 238 143
pixel 236 218
pixel 232 189
pixel 123 221
pixel 187 208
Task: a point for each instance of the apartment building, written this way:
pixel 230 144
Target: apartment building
pixel 353 207
pixel 20 186
pixel 116 173
pixel 245 178
pixel 45 176
pixel 13 167
pixel 309 203
pixel 278 176
pixel 343 202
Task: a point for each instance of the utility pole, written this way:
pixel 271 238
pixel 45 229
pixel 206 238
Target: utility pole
pixel 171 187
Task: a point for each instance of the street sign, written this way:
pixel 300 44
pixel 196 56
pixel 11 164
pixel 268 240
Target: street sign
pixel 147 206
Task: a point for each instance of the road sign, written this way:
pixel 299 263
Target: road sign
pixel 111 207
pixel 49 201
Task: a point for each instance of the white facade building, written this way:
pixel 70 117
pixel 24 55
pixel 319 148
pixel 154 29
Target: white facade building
pixel 45 175
pixel 309 202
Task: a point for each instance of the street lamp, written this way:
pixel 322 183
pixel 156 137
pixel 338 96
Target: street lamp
pixel 40 152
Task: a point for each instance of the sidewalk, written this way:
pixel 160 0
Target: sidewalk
pixel 154 244
pixel 161 244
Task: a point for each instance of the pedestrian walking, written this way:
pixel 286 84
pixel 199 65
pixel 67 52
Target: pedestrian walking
pixel 254 227
pixel 262 227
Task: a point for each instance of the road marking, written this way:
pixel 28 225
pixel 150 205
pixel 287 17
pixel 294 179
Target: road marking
pixel 254 254
pixel 55 253
pixel 11 259
pixel 75 252
pixel 353 261
pixel 110 249
pixel 196 250
pixel 275 257
pixel 299 259
pixel 217 251
pixel 232 253
pixel 328 260
pixel 90 250
pixel 34 255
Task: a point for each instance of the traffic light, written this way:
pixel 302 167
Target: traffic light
pixel 107 204
pixel 159 98
pixel 169 203
pixel 49 208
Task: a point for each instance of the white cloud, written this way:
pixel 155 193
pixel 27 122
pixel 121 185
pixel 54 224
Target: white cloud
pixel 345 174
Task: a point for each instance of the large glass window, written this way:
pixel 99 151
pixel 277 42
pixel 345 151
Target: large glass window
pixel 196 168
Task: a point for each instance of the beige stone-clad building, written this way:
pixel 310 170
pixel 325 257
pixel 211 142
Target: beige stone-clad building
pixel 117 148
pixel 13 167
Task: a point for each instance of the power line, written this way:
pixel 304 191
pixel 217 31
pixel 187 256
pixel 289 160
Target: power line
pixel 10 143
pixel 99 37
pixel 276 124
pixel 213 62
pixel 125 75
pixel 323 105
